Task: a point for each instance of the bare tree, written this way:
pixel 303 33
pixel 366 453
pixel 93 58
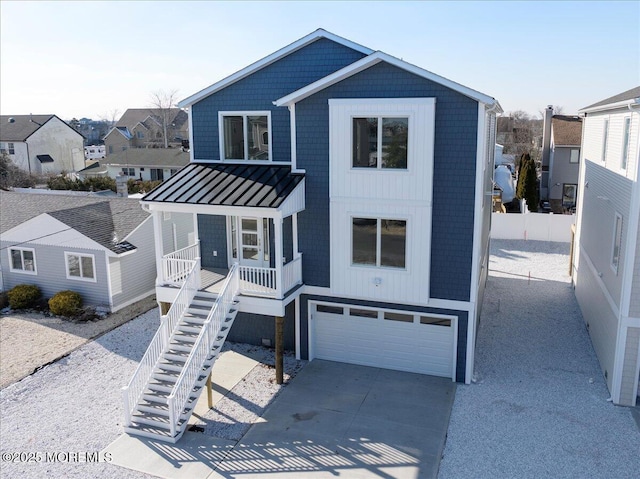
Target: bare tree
pixel 163 102
pixel 111 117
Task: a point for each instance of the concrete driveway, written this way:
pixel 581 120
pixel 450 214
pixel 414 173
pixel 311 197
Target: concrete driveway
pixel 341 420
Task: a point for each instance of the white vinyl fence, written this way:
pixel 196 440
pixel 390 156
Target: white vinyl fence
pixel 532 226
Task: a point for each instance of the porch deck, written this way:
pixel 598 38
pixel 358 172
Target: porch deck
pixel 211 280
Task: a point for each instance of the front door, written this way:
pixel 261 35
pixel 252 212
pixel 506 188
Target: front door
pixel 254 241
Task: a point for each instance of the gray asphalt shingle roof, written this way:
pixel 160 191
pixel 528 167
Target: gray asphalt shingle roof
pixel 22 127
pixel 625 95
pixel 100 219
pixel 169 157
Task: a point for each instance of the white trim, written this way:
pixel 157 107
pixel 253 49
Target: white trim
pixel 23 271
pixel 191 148
pixel 221 210
pixel 432 302
pixel 625 148
pixel 93 279
pixel 616 267
pixel 268 60
pixel 611 106
pixel 379 219
pixel 370 61
pixel 294 140
pixel 109 288
pixel 296 305
pixel 244 114
pixel 158 243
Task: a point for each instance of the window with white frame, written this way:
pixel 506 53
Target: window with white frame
pixel 625 143
pixel 605 137
pixel 575 156
pixel 12 148
pixel 245 136
pixel 569 195
pixel 380 142
pixel 617 242
pixel 379 242
pixel 157 174
pixel 80 266
pixel 23 260
pixel 129 171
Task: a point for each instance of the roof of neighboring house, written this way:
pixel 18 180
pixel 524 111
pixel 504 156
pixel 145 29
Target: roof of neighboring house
pixel 632 94
pixel 164 157
pixel 133 116
pixel 262 186
pixel 106 221
pixel 567 130
pixel 22 127
pixel 94 168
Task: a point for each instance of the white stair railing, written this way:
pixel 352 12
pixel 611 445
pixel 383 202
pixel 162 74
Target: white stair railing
pixel 201 350
pixel 176 265
pixel 132 392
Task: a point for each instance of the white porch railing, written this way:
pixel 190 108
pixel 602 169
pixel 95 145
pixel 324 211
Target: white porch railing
pixel 176 265
pixel 132 392
pixel 292 274
pixel 257 281
pixel 201 350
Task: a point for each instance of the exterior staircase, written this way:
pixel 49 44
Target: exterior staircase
pixel 164 390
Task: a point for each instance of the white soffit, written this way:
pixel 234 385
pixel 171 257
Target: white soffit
pixel 374 59
pixel 268 60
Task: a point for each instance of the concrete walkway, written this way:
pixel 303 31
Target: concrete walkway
pixel 332 420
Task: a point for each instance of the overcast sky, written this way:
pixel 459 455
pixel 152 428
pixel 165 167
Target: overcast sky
pixel 87 59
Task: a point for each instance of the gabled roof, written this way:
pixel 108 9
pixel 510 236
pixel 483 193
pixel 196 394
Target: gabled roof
pixel 374 59
pixel 106 221
pixel 22 126
pixel 258 186
pixel 621 99
pixel 163 157
pixel 133 116
pixel 567 130
pixel 268 60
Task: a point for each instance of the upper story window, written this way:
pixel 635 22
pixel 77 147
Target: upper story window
pixel 379 242
pixel 605 137
pixel 380 142
pixel 80 266
pixel 23 260
pixel 625 143
pixel 575 156
pixel 245 136
pixel 617 242
pixel 139 134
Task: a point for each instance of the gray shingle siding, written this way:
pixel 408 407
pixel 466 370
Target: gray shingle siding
pixel 455 152
pixel 252 328
pixel 213 237
pixel 259 90
pixel 463 318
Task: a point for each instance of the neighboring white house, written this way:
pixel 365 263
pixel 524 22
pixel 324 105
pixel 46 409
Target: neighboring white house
pixel 41 144
pixel 607 255
pixel 147 164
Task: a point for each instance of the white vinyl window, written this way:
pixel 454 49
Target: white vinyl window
pixel 617 243
pixel 380 142
pixel 575 156
pixel 23 260
pixel 379 242
pixel 625 143
pixel 12 150
pixel 80 266
pixel 245 136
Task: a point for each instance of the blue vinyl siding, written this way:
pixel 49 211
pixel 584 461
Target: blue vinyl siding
pixel 251 328
pixel 456 121
pixel 259 90
pixel 463 318
pixel 212 231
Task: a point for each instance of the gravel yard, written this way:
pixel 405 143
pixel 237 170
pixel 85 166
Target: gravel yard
pixel 539 406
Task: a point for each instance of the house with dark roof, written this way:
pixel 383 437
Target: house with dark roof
pixel 101 248
pixel 606 263
pixel 146 164
pixel 148 128
pixel 41 144
pixel 561 140
pixel 323 193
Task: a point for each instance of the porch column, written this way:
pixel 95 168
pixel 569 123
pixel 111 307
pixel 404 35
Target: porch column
pixel 196 234
pixel 294 227
pixel 157 237
pixel 277 223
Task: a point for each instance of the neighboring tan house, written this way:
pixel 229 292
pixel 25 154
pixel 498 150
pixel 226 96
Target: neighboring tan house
pixel 101 248
pixel 561 140
pixel 41 144
pixel 144 128
pixel 607 247
pixel 323 194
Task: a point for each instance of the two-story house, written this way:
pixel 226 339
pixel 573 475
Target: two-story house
pixel 607 255
pixel 561 140
pixel 338 187
pixel 41 144
pixel 148 128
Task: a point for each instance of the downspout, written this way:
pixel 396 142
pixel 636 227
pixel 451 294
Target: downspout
pixel 28 157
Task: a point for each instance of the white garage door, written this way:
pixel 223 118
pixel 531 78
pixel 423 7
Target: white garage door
pixel 405 341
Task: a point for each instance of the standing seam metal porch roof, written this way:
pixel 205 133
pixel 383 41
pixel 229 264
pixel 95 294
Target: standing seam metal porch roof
pixel 260 186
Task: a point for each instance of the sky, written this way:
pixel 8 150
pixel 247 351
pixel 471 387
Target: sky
pixel 91 59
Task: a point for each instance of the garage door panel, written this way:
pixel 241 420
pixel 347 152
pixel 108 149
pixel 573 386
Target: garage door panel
pixel 385 343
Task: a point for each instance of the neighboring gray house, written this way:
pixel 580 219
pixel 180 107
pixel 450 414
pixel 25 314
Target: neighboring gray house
pixel 101 248
pixel 41 144
pixel 561 140
pixel 607 253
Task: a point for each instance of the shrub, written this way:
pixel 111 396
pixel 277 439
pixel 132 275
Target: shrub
pixel 4 300
pixel 24 296
pixel 65 303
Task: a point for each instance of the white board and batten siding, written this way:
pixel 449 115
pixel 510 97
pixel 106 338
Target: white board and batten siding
pixel 385 194
pixel 340 334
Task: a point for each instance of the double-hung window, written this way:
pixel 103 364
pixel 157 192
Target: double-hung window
pixel 129 171
pixel 12 148
pixel 80 266
pixel 23 260
pixel 379 242
pixel 380 142
pixel 245 136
